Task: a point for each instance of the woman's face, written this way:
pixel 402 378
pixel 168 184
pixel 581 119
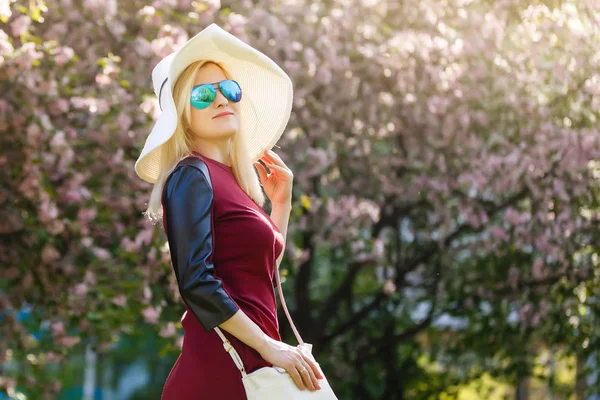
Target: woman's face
pixel 203 122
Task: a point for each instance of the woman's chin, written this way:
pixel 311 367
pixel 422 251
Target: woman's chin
pixel 218 131
pixel 225 127
pixel 225 132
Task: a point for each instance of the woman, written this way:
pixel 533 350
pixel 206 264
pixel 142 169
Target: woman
pixel 221 114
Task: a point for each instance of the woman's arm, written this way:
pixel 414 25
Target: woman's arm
pixel 187 206
pixel 246 330
pixel 187 200
pixel 278 187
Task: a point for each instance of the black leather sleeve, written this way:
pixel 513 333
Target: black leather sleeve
pixel 187 204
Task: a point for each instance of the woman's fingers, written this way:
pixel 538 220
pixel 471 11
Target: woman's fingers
pixel 273 157
pixel 275 166
pixel 314 367
pixel 295 376
pixel 262 172
pixel 310 359
pixel 309 376
pixel 285 171
pixel 303 374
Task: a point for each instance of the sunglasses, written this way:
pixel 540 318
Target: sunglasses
pixel 203 95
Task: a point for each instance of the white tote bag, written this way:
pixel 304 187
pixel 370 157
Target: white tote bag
pixel 274 383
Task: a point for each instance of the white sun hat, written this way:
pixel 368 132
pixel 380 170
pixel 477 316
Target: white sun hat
pixel 264 110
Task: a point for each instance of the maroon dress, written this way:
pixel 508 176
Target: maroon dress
pixel 223 249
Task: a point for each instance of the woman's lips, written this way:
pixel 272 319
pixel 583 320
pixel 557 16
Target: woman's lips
pixel 222 115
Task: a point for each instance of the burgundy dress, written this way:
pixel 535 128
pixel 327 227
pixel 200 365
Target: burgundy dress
pixel 223 250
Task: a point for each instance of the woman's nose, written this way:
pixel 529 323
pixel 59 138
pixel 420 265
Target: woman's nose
pixel 220 99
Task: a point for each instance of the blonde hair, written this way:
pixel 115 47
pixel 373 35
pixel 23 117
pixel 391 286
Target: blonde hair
pixel 180 146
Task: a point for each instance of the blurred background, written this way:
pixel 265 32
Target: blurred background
pixel 444 239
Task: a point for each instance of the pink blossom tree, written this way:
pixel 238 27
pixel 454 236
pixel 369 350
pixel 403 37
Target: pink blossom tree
pixel 446 161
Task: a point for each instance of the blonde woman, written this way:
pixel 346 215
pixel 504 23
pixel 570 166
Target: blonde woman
pixel 224 105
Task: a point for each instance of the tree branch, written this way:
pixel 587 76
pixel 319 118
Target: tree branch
pixel 425 255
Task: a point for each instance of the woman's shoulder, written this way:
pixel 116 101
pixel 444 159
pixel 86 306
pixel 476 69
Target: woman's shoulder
pixel 190 166
pixel 189 175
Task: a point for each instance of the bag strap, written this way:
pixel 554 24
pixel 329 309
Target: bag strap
pixel 231 350
pixel 200 163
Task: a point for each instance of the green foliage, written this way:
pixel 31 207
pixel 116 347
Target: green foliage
pixel 444 229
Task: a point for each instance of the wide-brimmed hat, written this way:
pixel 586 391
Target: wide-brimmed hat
pixel 264 110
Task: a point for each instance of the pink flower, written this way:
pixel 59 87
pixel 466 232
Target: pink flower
pixel 20 25
pixel 525 313
pixel 150 106
pixel 56 227
pixel 81 289
pixel 236 24
pixel 163 46
pixel 90 277
pixel 379 248
pixel 85 215
pixel 78 102
pixel 389 287
pixel 101 106
pixel 143 47
pixel 116 27
pixel 147 293
pixel 213 5
pixel 119 300
pixel 5 11
pixel 124 121
pixel 5 46
pixel 58 141
pixel 27 55
pixel 58 107
pixel 146 11
pixel 103 79
pixel 152 254
pixel 101 253
pixel 128 245
pixel 151 315
pixel 47 211
pixel 168 331
pixel 64 55
pixel 107 8
pixel 537 268
pixel 164 4
pixel 498 233
pixel 58 328
pixel 53 357
pixel 50 254
pixel 68 341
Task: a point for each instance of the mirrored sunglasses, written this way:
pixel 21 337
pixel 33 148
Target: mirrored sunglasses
pixel 203 95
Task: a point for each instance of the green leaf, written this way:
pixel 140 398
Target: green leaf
pixel 93 316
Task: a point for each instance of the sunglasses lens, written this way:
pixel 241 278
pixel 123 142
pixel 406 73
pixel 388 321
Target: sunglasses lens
pixel 202 96
pixel 231 89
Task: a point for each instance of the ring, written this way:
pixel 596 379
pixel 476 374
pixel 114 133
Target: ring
pixel 303 370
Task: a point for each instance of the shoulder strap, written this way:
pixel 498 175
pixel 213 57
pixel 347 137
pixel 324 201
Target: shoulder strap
pixel 234 354
pixel 201 164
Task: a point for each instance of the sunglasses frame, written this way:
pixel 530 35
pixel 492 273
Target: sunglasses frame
pixel 216 86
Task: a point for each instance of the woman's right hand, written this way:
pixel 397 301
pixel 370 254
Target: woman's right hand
pixel 293 360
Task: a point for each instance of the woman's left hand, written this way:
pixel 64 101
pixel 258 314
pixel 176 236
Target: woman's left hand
pixel 277 184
